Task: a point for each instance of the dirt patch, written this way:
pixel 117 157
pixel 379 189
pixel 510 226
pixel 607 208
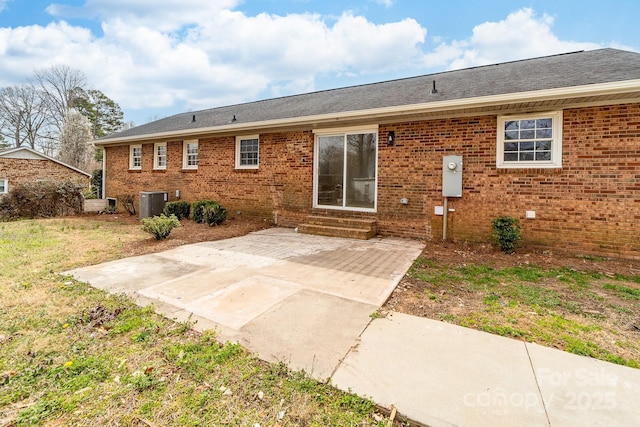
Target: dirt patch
pixel 188 232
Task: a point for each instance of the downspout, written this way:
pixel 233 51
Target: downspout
pixel 104 173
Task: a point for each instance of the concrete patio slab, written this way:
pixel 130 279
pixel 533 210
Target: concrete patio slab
pixel 132 274
pixel 442 374
pixel 308 331
pixel 289 297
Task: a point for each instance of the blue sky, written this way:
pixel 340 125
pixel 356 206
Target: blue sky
pixel 157 58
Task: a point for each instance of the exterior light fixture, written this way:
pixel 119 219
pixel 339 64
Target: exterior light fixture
pixel 391 137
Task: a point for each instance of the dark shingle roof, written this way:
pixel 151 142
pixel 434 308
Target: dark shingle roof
pixel 550 72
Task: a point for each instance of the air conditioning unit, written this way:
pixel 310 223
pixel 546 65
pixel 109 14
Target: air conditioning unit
pixel 152 203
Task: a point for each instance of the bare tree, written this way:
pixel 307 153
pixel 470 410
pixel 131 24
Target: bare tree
pixel 76 148
pixel 60 86
pixel 22 115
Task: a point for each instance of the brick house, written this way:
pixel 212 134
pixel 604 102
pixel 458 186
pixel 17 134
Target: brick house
pixel 22 165
pixel 552 141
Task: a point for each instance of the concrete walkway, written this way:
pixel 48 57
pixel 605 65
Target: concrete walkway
pixel 307 301
pixel 445 375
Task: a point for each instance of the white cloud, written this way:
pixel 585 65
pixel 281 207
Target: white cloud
pixel 193 54
pixel 3 4
pixel 521 35
pixel 385 3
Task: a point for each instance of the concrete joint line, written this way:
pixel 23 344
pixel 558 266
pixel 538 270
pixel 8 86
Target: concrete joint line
pixel 533 370
pixel 352 348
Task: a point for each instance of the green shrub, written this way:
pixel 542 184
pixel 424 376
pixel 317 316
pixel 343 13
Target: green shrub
pixel 506 232
pixel 213 214
pixel 216 213
pixel 160 226
pixel 179 208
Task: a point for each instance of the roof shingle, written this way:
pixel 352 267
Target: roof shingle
pixel 550 72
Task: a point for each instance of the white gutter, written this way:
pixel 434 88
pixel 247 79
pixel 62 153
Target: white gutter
pixel 400 110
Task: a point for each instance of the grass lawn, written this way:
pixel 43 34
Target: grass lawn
pixel 580 304
pixel 73 355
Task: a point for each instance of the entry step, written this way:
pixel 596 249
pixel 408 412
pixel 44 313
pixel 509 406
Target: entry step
pixel 352 228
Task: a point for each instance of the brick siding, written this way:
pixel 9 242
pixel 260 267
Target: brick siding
pixel 590 205
pixel 22 171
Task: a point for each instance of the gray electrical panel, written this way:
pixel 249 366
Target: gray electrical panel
pixel 152 203
pixel 452 176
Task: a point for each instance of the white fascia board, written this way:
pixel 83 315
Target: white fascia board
pixel 599 89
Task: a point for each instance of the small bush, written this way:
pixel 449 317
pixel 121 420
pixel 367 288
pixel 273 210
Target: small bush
pixel 160 226
pixel 179 208
pixel 214 214
pixel 128 202
pixel 42 199
pixel 506 232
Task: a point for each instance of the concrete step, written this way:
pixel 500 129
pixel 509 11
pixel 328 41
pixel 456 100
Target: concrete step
pixel 352 228
pixel 340 221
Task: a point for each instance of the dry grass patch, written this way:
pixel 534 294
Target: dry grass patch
pixel 73 355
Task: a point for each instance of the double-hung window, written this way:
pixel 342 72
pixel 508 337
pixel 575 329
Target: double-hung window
pixel 247 152
pixel 530 141
pixel 160 155
pixel 135 157
pixel 190 154
pixel 4 186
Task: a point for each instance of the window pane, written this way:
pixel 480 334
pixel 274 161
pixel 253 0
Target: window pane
pixel 543 145
pixel 543 133
pixel 543 155
pixel 510 157
pixel 511 146
pixel 544 123
pixel 511 134
pixel 526 146
pixel 527 134
pixel 192 154
pixel 527 156
pixel 330 170
pixel 249 152
pixel 361 171
pixel 511 125
pixel 527 124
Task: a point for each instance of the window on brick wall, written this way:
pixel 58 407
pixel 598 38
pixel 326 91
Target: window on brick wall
pixel 135 157
pixel 4 186
pixel 530 141
pixel 190 154
pixel 160 155
pixel 247 150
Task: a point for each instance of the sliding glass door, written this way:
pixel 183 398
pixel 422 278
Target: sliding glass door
pixel 345 171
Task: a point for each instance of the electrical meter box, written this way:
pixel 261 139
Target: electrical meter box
pixel 452 176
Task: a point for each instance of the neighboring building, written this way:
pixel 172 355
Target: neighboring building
pixel 552 141
pixel 24 165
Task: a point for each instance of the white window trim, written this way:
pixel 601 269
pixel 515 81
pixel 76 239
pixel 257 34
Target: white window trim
pixel 242 138
pixel 156 158
pixel 556 144
pixel 6 185
pixel 131 149
pixel 344 132
pixel 185 143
